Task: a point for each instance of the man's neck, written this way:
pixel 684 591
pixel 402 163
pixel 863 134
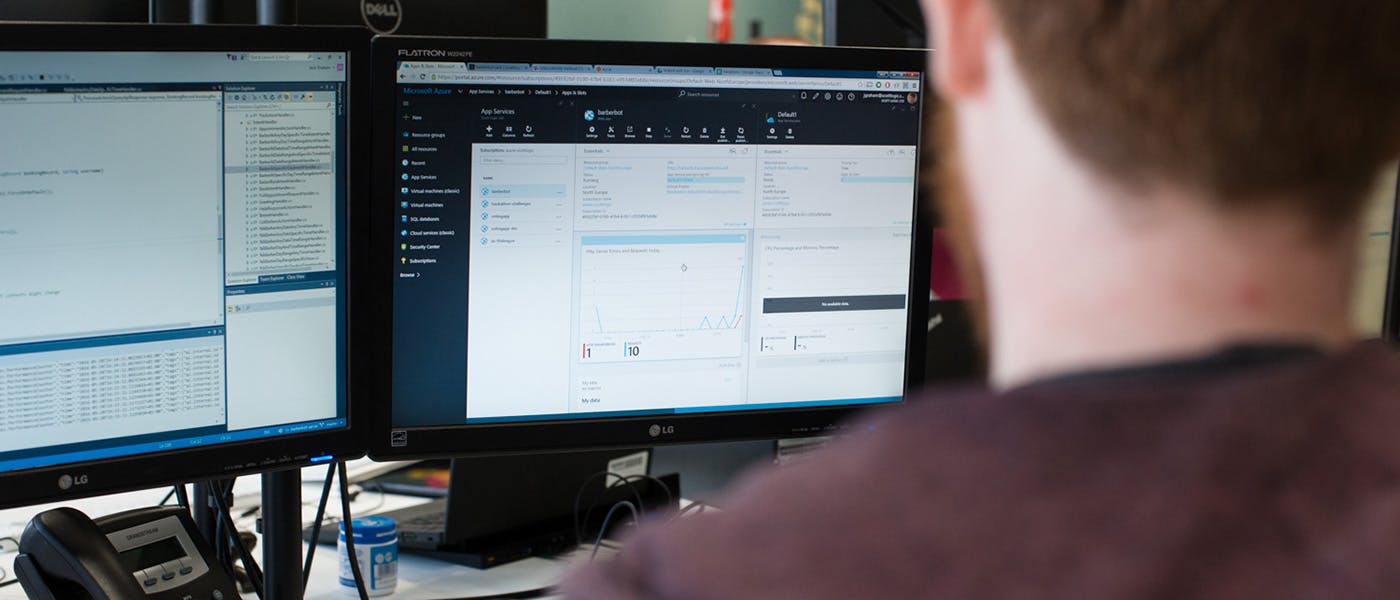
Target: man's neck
pixel 1167 278
pixel 1081 272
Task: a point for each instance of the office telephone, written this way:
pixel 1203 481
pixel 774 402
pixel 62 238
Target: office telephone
pixel 145 553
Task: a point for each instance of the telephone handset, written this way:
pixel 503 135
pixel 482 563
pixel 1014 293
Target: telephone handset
pixel 145 553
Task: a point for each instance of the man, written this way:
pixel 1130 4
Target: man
pixel 1162 197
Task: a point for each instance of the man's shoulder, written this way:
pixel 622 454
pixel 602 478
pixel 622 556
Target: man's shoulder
pixel 1066 480
pixel 1353 384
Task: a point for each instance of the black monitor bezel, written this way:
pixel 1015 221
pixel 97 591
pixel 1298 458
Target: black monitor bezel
pixel 91 478
pixel 389 443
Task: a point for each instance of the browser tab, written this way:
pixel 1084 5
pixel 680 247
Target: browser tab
pixel 548 68
pixel 497 67
pixel 686 70
pixel 629 69
pixel 744 72
pixel 433 66
pixel 279 56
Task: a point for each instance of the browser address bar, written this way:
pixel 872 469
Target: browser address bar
pixel 697 81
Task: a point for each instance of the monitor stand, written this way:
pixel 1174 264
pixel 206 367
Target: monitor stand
pixel 281 531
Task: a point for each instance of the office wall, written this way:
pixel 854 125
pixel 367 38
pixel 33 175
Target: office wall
pixel 74 10
pixel 500 18
pixel 664 20
pixel 865 23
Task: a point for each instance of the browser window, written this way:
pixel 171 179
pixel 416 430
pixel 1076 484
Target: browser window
pixel 622 239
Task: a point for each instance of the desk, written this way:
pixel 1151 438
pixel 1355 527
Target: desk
pixel 419 578
pixel 424 578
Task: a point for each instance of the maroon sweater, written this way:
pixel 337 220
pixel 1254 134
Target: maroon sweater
pixel 1217 478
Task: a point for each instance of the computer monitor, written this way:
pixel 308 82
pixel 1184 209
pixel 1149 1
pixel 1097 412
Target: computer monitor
pixel 1369 298
pixel 604 244
pixel 174 210
pixel 1380 260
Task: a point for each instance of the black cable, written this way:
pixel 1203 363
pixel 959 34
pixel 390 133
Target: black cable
pixel 181 496
pixel 636 519
pixel 358 490
pixel 630 480
pixel 231 532
pixel 670 496
pixel 578 526
pixel 10 582
pixel 168 495
pixel 578 497
pixel 345 521
pixel 372 487
pixel 226 530
pixel 316 526
pixel 220 547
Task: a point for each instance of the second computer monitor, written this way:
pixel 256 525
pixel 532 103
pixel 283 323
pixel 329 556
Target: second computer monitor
pixel 600 244
pixel 174 254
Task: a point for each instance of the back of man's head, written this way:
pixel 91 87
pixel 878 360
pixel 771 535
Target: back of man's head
pixel 1246 101
pixel 1129 180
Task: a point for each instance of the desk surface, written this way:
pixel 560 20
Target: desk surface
pixel 419 578
pixel 422 578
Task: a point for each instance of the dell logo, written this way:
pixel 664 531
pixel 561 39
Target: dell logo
pixel 380 9
pixel 657 430
pixel 382 17
pixel 66 482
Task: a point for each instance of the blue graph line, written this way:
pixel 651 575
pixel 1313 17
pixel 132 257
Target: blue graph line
pixel 732 320
pixel 729 321
pixel 738 291
pixel 722 324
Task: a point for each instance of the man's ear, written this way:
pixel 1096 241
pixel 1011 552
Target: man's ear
pixel 961 28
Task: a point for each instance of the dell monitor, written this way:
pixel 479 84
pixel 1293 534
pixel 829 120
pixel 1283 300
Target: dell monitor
pixel 174 210
pixel 601 244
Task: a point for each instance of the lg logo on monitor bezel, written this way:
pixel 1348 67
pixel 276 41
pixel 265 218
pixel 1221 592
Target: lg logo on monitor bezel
pixel 67 482
pixel 659 430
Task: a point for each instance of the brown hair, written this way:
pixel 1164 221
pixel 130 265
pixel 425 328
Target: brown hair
pixel 1293 101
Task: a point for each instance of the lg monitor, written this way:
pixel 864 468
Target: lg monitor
pixel 593 244
pixel 1369 297
pixel 1379 259
pixel 174 254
